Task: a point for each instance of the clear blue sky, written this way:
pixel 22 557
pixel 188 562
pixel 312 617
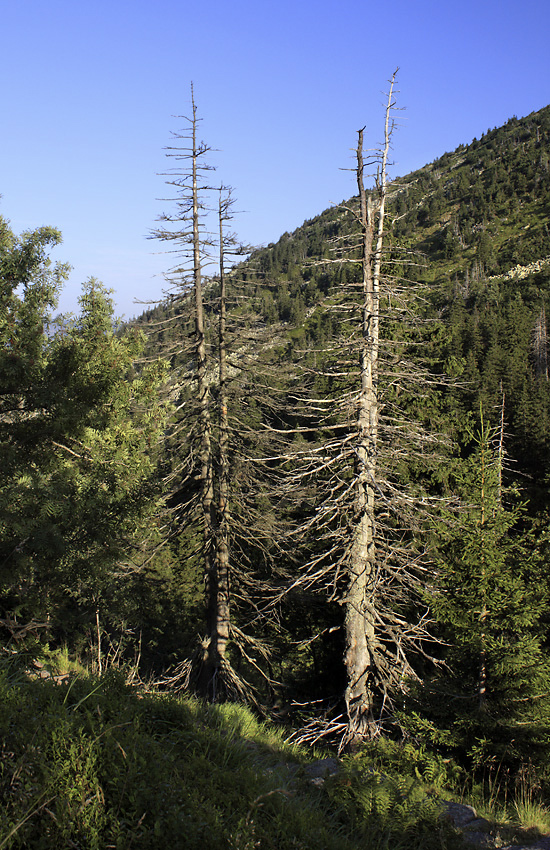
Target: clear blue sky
pixel 90 91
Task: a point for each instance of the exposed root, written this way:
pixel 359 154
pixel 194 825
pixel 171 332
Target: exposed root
pixel 223 684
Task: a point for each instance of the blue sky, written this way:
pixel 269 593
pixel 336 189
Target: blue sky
pixel 90 91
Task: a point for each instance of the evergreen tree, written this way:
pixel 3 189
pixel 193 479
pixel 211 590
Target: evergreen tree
pixel 491 697
pixel 213 503
pixel 76 432
pixel 361 410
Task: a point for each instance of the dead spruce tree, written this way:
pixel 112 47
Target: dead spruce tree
pixel 210 463
pixel 191 480
pixel 220 598
pixel 364 532
pixel 248 528
pixel 540 346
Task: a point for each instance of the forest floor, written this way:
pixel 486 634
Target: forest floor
pixel 92 762
pixel 476 830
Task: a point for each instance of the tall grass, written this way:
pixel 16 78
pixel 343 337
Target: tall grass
pixel 94 763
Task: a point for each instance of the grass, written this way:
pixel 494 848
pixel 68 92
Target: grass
pixel 515 810
pixel 93 763
pixel 531 814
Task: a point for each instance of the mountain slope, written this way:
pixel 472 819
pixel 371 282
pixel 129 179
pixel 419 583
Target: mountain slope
pixel 477 224
pixel 470 232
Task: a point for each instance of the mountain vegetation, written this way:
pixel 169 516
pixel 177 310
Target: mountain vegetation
pixel 314 479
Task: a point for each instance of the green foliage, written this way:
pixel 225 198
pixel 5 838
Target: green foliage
pixel 490 701
pixel 391 792
pixel 79 421
pixel 407 759
pixel 78 434
pixel 465 220
pixel 93 762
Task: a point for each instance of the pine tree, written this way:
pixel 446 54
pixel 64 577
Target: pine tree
pixel 75 436
pixel 209 482
pixel 492 696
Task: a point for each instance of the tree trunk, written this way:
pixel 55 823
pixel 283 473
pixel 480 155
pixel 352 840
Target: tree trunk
pixel 360 601
pixel 205 450
pixel 219 586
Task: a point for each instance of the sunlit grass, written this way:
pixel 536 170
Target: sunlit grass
pixel 92 762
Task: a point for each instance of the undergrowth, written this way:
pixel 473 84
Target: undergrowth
pixel 93 763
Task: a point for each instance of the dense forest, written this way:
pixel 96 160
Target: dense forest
pixel 313 480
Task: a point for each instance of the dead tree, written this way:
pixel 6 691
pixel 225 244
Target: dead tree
pixel 205 431
pixel 359 604
pixel 365 541
pixel 223 617
pixel 540 346
pixel 185 229
pixel 244 533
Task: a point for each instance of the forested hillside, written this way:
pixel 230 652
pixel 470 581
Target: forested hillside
pixel 463 389
pixel 315 480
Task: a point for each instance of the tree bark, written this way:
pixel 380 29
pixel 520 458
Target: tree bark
pixel 219 586
pixel 360 601
pixel 205 450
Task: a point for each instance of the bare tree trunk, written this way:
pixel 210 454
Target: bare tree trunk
pixel 205 451
pixel 201 479
pixel 482 674
pixel 486 460
pixel 219 586
pixel 540 346
pixel 360 602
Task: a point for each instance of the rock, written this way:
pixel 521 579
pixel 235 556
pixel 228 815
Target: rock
pixel 476 830
pixel 318 771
